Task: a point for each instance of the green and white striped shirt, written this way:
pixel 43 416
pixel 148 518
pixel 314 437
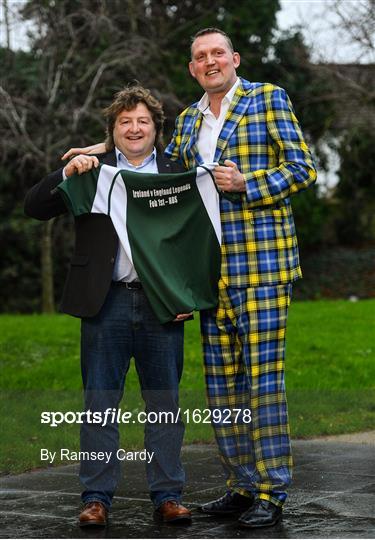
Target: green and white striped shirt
pixel 168 225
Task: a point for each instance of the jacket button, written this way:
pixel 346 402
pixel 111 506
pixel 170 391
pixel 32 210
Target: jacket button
pixel 112 260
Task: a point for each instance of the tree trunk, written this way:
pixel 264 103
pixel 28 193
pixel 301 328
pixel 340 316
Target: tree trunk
pixel 6 22
pixel 48 302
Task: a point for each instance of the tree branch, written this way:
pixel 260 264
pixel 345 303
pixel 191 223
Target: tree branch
pixel 90 94
pixel 15 120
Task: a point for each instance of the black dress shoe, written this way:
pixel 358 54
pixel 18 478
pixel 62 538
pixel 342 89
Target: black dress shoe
pixel 261 514
pixel 231 503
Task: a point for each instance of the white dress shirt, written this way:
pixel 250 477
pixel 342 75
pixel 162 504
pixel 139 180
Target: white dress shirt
pixel 211 126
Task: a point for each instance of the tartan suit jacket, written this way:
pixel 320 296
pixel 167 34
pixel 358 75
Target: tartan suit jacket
pixel 262 136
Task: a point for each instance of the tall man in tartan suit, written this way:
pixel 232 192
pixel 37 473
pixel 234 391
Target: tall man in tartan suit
pixel 253 129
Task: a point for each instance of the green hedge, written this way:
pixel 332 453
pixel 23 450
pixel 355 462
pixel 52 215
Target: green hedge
pixel 337 272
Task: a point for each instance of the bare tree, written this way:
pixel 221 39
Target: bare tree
pixel 356 26
pixel 353 83
pixel 72 72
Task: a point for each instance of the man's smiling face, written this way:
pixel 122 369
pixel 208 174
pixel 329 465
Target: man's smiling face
pixel 213 63
pixel 134 133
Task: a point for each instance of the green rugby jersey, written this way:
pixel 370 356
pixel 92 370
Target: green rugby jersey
pixel 168 225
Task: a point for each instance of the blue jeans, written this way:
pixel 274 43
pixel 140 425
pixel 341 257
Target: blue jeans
pixel 126 327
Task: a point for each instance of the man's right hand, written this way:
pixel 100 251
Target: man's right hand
pixel 80 164
pixel 98 148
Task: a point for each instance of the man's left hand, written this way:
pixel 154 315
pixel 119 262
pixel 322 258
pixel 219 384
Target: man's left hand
pixel 228 177
pixel 182 317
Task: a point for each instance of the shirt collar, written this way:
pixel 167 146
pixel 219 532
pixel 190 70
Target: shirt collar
pixel 121 158
pixel 204 103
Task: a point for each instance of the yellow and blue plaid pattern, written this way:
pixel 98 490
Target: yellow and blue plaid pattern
pixel 262 136
pixel 243 344
pixel 244 338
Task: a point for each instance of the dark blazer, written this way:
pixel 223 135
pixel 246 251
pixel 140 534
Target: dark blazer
pixel 96 241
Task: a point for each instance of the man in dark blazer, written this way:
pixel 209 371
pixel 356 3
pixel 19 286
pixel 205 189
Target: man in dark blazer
pixel 103 289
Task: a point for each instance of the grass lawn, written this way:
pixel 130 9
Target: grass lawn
pixel 330 374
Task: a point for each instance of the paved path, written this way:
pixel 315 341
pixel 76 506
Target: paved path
pixel 333 496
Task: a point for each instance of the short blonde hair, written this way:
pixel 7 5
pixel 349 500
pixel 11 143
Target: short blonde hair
pixel 212 30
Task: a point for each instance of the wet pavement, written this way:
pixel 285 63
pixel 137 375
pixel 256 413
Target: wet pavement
pixel 333 496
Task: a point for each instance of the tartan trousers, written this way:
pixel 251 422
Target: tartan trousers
pixel 243 346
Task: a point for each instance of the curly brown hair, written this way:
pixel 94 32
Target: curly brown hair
pixel 127 100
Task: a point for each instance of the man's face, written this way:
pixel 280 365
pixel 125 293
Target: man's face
pixel 134 133
pixel 213 64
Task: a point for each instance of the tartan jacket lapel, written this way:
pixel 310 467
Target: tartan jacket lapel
pixel 236 111
pixel 193 128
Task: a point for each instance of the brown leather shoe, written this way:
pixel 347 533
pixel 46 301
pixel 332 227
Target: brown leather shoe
pixel 171 511
pixel 93 513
